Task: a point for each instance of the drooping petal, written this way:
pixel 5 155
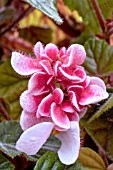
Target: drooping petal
pixel 76 55
pixel 33 138
pixel 70 139
pixel 38 49
pixel 92 94
pixel 29 102
pixel 58 96
pixel 45 105
pixel 24 65
pixel 52 51
pixel 59 117
pixel 38 83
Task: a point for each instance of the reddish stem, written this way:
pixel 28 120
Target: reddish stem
pixel 99 14
pixel 4 113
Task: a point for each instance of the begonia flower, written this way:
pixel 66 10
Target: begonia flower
pixel 58 95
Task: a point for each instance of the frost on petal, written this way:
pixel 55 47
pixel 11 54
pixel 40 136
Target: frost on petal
pixel 70 139
pixel 58 96
pixel 45 105
pixel 92 94
pixel 23 64
pixel 76 55
pixel 29 102
pixel 33 138
pixel 38 83
pixel 52 51
pixel 59 117
pixel 38 49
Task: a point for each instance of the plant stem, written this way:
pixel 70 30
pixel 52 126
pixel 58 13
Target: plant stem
pixel 4 113
pixel 99 14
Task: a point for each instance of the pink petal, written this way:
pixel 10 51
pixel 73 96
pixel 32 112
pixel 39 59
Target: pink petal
pixel 77 75
pixel 38 83
pixel 46 66
pixel 27 120
pixel 44 106
pixel 67 107
pixel 24 65
pixel 59 117
pixel 69 151
pixel 92 94
pixel 76 54
pixel 58 96
pixel 52 51
pixel 33 138
pixel 29 102
pixel 62 52
pixel 38 49
pixel 97 81
pixel 73 100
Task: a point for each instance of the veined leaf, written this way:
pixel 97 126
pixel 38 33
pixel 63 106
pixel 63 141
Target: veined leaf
pixel 49 161
pixel 9 134
pixel 5 164
pixel 99 59
pixel 11 87
pixel 48 7
pixel 91 160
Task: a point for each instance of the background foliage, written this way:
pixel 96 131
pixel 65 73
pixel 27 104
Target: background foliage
pixel 61 22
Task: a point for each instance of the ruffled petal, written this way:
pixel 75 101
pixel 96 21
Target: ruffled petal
pixel 38 49
pixel 73 100
pixel 38 83
pixel 97 81
pixel 59 117
pixel 52 51
pixel 46 66
pixel 24 65
pixel 29 102
pixel 92 94
pixel 76 55
pixel 70 139
pixel 45 106
pixel 33 138
pixel 58 96
pixel 67 107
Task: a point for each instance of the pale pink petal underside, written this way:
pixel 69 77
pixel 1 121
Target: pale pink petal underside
pixel 33 138
pixel 70 139
pixel 38 49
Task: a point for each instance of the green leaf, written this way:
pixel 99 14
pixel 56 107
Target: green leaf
pixel 104 108
pixel 99 59
pixel 90 159
pixel 34 34
pixel 11 87
pixel 85 10
pixel 48 7
pixel 49 161
pixel 77 166
pixel 5 164
pixel 10 131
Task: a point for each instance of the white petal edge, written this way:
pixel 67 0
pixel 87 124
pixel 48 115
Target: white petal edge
pixel 70 139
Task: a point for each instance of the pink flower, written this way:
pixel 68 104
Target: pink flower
pixel 58 94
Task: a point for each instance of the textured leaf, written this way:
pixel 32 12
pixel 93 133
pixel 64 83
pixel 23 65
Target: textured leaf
pixel 49 161
pixel 11 87
pixel 105 107
pixel 34 34
pixel 86 11
pixel 99 59
pixel 6 15
pixel 91 160
pixel 77 166
pixel 5 164
pixel 9 134
pixel 48 7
